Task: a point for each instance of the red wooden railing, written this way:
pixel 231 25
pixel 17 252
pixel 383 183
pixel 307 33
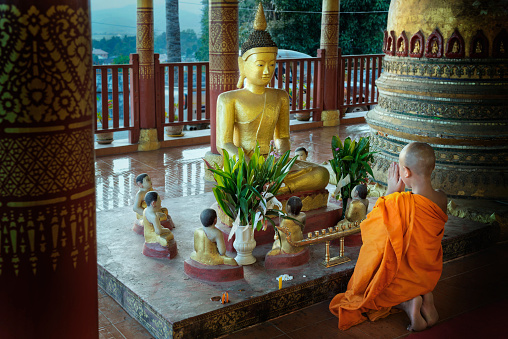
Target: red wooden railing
pixel 301 78
pixel 182 93
pixel 116 108
pixel 357 80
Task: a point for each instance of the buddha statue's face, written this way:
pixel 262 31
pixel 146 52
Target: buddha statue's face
pixel 259 68
pixel 301 155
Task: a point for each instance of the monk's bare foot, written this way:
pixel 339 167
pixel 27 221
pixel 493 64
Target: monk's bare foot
pixel 428 309
pixel 412 308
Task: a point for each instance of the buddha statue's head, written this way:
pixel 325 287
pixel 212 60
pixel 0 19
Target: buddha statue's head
pixel 258 54
pixel 359 192
pixel 153 199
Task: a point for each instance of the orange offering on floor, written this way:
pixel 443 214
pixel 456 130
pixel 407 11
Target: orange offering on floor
pixel 401 258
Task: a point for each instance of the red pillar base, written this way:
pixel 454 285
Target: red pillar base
pixel 156 250
pixel 215 273
pixel 281 261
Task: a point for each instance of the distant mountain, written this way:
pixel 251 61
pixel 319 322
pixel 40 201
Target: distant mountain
pixel 122 21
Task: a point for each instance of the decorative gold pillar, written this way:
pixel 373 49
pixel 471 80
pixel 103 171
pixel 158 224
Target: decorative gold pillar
pixel 48 261
pixel 223 55
pixel 330 43
pixel 144 47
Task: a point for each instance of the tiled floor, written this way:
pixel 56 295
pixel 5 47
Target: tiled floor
pixel 466 284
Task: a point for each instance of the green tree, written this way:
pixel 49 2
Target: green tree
pixel 296 24
pixel 173 31
pixel 202 52
pixel 122 59
pixel 362 33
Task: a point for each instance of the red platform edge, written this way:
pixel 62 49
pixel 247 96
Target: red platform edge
pixel 156 250
pixel 275 262
pixel 216 273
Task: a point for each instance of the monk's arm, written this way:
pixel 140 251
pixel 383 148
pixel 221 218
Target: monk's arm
pixel 225 125
pixel 281 133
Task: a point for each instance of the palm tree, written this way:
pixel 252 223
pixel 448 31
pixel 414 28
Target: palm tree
pixel 173 31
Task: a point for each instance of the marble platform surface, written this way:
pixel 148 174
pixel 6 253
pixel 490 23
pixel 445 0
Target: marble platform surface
pixel 169 304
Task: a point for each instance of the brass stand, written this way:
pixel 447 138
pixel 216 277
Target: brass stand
pixel 341 259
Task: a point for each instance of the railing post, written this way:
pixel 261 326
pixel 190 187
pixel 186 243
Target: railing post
pixel 340 84
pixel 159 107
pixel 320 84
pixel 134 97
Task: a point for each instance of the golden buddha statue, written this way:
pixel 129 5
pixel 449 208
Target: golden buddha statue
pixel 152 216
pixel 281 246
pixel 257 114
pixel 478 48
pixel 501 48
pixel 357 207
pixel 455 48
pixel 435 48
pixel 402 46
pixel 209 245
pixel 416 50
pixel 144 183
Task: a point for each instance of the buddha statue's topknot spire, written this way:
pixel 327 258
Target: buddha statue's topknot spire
pixel 260 20
pixel 259 38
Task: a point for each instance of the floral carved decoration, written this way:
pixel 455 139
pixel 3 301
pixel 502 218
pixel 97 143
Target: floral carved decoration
pixel 45 65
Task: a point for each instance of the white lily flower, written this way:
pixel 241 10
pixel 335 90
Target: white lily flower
pixel 235 225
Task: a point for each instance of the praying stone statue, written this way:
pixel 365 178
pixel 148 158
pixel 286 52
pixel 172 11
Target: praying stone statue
pixel 257 114
pixel 282 246
pixel 357 207
pixel 144 183
pixel 159 240
pixel 209 245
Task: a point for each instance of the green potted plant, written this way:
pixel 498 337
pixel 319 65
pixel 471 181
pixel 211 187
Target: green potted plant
pixel 350 164
pixel 174 130
pixel 104 138
pixel 245 191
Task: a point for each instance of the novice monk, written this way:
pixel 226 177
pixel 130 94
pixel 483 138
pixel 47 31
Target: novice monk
pixel 401 257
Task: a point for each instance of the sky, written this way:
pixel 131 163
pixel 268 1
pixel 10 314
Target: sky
pixel 187 5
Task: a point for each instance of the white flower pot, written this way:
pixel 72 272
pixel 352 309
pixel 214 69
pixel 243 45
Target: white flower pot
pixel 244 244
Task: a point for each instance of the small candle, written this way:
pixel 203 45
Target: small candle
pixel 280 283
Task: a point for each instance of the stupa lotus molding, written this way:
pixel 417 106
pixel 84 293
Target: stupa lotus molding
pixel 446 68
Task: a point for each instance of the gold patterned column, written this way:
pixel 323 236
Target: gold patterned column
pixel 48 262
pixel 223 53
pixel 144 47
pixel 330 43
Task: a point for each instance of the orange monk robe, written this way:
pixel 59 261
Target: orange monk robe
pixel 401 258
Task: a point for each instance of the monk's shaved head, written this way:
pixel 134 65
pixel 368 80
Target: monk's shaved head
pixel 419 157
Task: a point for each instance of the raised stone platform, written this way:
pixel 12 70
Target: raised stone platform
pixel 170 304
